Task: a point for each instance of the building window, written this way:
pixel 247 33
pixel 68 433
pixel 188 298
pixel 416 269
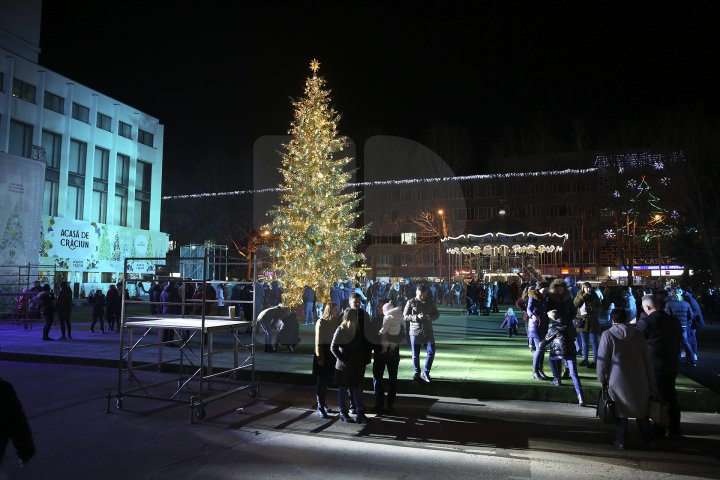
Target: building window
pixel 408 238
pixel 20 139
pixel 100 185
pixel 78 157
pixel 143 184
pixel 50 197
pixel 125 130
pixel 23 91
pixel 145 138
pixel 122 172
pixel 104 122
pixel 122 179
pixel 2 81
pixel 52 142
pixel 75 202
pixel 80 113
pixel 54 102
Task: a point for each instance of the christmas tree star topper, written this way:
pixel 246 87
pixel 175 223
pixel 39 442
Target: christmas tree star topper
pixel 314 66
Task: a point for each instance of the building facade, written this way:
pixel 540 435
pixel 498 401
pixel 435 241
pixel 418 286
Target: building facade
pixel 103 163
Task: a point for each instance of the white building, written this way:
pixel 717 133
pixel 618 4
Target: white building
pixel 102 181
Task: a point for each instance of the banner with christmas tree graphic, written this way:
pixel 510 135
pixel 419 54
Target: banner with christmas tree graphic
pixel 21 195
pixel 77 245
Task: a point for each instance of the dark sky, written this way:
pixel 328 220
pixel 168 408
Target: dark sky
pixel 219 74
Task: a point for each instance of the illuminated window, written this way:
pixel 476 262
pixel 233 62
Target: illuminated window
pixel 408 238
pixel 23 91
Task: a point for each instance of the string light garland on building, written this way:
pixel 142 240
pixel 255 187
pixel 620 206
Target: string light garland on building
pixel 314 222
pixel 407 181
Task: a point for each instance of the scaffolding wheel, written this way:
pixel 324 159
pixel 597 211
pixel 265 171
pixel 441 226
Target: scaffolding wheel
pixel 253 392
pixel 200 412
pixel 118 403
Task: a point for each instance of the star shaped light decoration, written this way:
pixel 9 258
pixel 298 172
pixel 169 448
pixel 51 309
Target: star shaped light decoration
pixel 609 233
pixel 314 66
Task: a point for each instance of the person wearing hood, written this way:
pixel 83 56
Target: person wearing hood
pixel 560 299
pixel 624 366
pixel 561 338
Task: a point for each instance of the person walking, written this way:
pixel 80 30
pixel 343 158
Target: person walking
pixel 663 334
pixel 561 338
pixel 421 311
pixel 114 308
pixel 352 348
pixel 625 368
pixel 14 425
pixel 323 359
pixel 63 307
pixel 682 311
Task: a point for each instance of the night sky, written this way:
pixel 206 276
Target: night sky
pixel 219 74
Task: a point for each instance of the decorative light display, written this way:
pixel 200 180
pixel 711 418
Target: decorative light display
pixel 609 234
pixel 664 181
pixel 316 240
pixel 503 243
pixel 407 181
pixel 644 215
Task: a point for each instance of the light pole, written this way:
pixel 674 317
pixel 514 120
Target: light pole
pixel 441 212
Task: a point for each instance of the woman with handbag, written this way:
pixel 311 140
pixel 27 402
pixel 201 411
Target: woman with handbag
pixel 624 367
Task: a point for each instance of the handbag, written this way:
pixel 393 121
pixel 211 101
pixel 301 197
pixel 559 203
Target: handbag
pixel 658 411
pixel 605 406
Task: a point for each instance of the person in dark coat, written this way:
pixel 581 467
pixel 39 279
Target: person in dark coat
pixel 663 334
pixel 537 326
pixel 288 332
pixel 680 309
pixel 323 359
pixel 387 355
pixel 63 307
pixel 353 350
pixel 45 302
pixel 114 307
pixel 309 305
pixel 169 296
pixel 156 290
pixel 587 322
pixel 697 322
pixel 14 425
pixel 98 311
pixel 421 312
pixel 561 338
pixel 560 299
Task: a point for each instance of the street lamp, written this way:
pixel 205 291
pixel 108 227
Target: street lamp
pixel 441 212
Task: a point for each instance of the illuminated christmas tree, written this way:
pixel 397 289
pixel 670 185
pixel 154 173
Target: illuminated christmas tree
pixel 316 239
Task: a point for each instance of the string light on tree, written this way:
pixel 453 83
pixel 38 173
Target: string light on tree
pixel 314 223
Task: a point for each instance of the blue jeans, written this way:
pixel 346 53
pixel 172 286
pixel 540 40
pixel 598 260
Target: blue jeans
pixel 415 342
pixel 584 345
pixel 556 366
pixel 687 345
pixel 309 315
pixel 692 339
pixel 538 356
pixel 356 392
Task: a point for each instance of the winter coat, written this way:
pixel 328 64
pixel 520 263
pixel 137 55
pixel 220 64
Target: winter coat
pixel 113 302
pixel 588 308
pixel 536 306
pixel 663 334
pixel 14 425
pixel 170 294
pixel 697 321
pixel 336 295
pixel 624 365
pixel 630 306
pixel 681 310
pixel 510 321
pixel 561 338
pixel 324 331
pixel 98 309
pixel 270 316
pixel 560 300
pixel 421 326
pixel 63 304
pixel 353 351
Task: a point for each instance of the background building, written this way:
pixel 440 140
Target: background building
pixel 103 160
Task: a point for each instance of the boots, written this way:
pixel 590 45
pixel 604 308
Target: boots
pixel 539 375
pixel 581 400
pixel 555 382
pixel 321 413
pixel 344 417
